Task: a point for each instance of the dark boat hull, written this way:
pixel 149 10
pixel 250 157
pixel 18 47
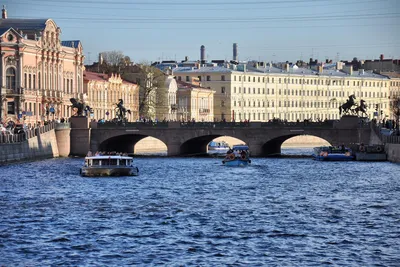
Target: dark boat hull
pixel 109 171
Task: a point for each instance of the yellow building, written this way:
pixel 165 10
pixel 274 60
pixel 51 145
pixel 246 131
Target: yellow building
pixel 258 91
pixel 195 102
pixel 103 93
pixel 40 73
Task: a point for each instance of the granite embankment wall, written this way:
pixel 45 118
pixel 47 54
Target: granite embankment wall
pixel 393 152
pixel 40 143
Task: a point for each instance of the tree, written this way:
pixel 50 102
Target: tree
pixel 395 110
pixel 152 93
pixel 114 61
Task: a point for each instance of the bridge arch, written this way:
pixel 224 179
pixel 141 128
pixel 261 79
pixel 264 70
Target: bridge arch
pixel 199 145
pixel 273 147
pixel 123 143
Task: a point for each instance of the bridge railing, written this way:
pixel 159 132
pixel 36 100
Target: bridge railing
pixel 137 125
pixel 209 124
pixel 391 139
pixel 7 137
pixel 328 123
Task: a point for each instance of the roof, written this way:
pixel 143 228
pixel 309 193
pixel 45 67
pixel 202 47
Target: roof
pixel 94 76
pixel 72 43
pixel 240 147
pixel 4 30
pixel 391 74
pixel 250 68
pixel 24 24
pixel 202 69
pixel 109 157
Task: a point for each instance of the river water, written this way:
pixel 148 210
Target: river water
pixel 196 212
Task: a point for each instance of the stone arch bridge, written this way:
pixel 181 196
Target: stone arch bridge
pixel 263 139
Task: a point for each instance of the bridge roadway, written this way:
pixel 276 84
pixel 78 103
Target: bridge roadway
pixel 263 139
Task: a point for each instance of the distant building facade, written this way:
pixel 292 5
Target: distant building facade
pixel 258 91
pixel 40 73
pixel 103 93
pixel 195 102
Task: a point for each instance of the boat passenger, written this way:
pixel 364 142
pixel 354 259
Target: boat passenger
pixel 89 154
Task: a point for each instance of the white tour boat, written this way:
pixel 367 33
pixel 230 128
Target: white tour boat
pixel 109 165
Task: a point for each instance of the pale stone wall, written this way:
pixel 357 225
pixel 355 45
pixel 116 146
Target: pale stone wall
pixel 43 145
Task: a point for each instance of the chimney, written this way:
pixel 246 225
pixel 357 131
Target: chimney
pixel 287 67
pixel 100 58
pixel 235 52
pixel 339 65
pixel 381 57
pixel 320 69
pixel 202 54
pixel 4 12
pixel 186 58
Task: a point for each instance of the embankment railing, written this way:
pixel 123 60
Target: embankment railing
pixel 6 137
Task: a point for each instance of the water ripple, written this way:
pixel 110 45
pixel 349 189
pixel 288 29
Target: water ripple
pixel 195 212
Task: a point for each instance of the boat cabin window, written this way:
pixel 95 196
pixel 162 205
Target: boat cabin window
pixel 96 162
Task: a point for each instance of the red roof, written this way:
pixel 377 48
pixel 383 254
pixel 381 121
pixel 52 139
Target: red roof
pixel 93 76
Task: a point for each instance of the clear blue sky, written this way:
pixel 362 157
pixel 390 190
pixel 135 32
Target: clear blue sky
pixel 267 30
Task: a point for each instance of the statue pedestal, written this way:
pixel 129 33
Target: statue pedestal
pixel 79 122
pixel 347 122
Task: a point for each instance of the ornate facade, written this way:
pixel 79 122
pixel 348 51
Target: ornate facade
pixel 40 73
pixel 195 102
pixel 104 92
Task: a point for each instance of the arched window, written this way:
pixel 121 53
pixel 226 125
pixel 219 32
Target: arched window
pixel 10 78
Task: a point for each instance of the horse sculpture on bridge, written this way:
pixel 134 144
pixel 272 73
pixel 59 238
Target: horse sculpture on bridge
pixel 121 111
pixel 361 108
pixel 346 107
pixel 79 107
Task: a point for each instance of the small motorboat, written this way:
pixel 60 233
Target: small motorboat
pixel 218 147
pixel 237 156
pixel 330 153
pixel 108 165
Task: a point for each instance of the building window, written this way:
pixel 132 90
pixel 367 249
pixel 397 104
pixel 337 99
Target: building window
pixel 25 80
pixel 234 78
pixel 30 81
pixel 234 90
pixel 34 81
pixel 222 103
pixel 11 107
pixel 187 78
pixel 244 90
pixel 199 78
pixel 240 78
pixel 222 77
pixel 208 78
pixel 179 78
pixel 249 79
pixel 10 78
pixel 223 90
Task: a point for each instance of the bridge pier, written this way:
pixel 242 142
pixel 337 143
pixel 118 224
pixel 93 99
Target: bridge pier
pixel 256 149
pixel 173 150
